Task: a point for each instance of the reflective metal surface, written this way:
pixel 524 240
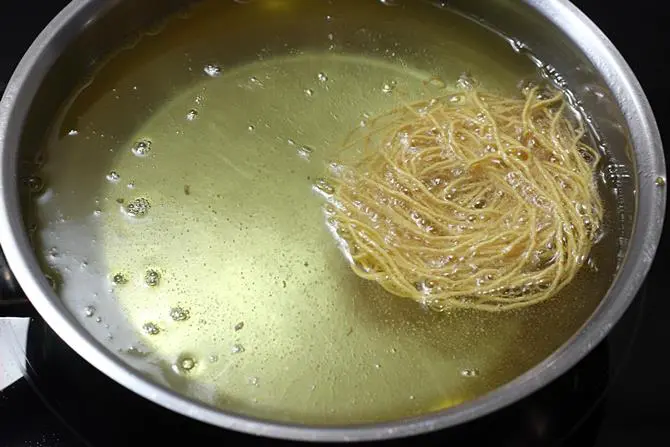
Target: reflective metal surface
pixel 554 30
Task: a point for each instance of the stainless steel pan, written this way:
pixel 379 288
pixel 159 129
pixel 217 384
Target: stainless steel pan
pixel 567 42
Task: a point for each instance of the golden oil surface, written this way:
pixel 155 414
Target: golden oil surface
pixel 180 207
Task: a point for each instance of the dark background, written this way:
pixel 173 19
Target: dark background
pixel 638 401
pixel 640 29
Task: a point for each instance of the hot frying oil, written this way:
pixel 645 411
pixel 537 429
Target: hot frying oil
pixel 180 206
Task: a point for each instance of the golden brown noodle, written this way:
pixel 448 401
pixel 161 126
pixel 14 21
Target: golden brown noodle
pixel 468 200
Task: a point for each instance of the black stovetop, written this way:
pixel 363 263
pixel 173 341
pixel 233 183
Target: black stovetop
pixel 617 396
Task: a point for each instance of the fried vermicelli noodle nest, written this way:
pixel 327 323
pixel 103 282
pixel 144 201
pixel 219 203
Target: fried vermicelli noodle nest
pixel 468 200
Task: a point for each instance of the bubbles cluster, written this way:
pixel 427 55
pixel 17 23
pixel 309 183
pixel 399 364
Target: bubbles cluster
pixel 179 314
pixel 212 70
pixel 139 207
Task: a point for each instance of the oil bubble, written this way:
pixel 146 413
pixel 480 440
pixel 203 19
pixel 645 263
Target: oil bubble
pixel 35 184
pixel 152 278
pixel 138 207
pixel 150 328
pixel 388 87
pixel 660 181
pixel 239 326
pixel 134 351
pixel 89 311
pixel 309 92
pixel 191 115
pixel 212 70
pixel 253 380
pixel 322 77
pixel 73 132
pixel 437 82
pixel 469 372
pixel 142 147
pixel 455 99
pixel 53 252
pixel 179 313
pixel 479 204
pixel 184 365
pixel 324 187
pixel 119 279
pixel 237 349
pixel 305 152
pixel 466 81
pixel 113 176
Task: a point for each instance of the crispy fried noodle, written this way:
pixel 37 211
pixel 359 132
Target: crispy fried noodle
pixel 468 200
